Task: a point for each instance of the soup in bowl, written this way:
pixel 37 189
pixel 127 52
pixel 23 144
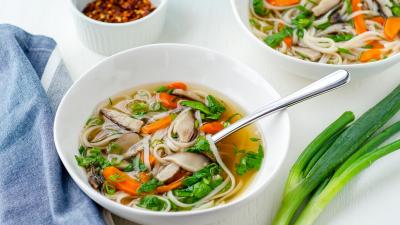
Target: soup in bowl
pixel 135 134
pixel 312 38
pixel 151 147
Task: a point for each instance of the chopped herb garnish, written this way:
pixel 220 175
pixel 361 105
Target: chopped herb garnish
pixel 139 165
pixel 303 21
pixel 349 8
pixel 139 108
pixel 276 39
pixel 129 168
pixel 152 202
pixel 94 121
pixel 344 51
pixel 213 111
pixel 250 161
pixel 208 171
pixel 254 139
pixel 323 26
pixel 116 178
pixel 109 188
pixel 214 105
pixel 82 150
pixel 201 145
pixel 340 37
pixel 162 89
pixel 396 10
pixel 259 9
pixel 114 148
pixel 149 186
pixel 254 23
pixel 92 157
pixel 110 101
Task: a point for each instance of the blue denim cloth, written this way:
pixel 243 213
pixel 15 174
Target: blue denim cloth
pixel 34 186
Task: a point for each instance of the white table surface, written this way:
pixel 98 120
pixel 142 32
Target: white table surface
pixel 372 198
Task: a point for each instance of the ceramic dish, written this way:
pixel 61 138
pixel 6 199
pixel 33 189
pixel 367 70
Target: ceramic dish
pixel 110 38
pixel 165 63
pixel 300 67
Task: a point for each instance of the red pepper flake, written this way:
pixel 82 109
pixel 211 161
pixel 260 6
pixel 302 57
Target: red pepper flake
pixel 118 11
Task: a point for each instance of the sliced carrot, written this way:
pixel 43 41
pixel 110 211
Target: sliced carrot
pixel 169 187
pixel 121 180
pixel 152 159
pixel 379 19
pixel 359 22
pixel 288 41
pixel 376 45
pixel 177 85
pixel 392 28
pixel 283 2
pixel 157 125
pixel 370 54
pixel 168 100
pixel 212 128
pixel 144 177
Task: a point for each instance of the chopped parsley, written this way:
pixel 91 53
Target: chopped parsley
pixel 152 202
pixel 94 121
pixel 254 139
pixel 344 51
pixel 114 148
pixel 250 161
pixel 395 10
pixel 149 186
pixel 276 39
pixel 109 188
pixel 201 145
pixel 323 26
pixel 213 111
pixel 340 37
pixel 259 9
pixel 91 157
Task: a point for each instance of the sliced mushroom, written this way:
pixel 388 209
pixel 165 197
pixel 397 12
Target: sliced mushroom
pixel 191 162
pixel 95 180
pixel 307 52
pixel 184 126
pixel 123 119
pixel 127 140
pixel 324 6
pixel 188 94
pixel 168 172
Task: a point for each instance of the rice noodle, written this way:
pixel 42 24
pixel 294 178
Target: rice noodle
pixel 146 152
pixel 221 163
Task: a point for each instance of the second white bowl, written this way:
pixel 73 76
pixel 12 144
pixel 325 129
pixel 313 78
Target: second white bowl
pixel 300 67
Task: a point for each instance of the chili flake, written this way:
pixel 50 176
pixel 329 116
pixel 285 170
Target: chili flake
pixel 118 11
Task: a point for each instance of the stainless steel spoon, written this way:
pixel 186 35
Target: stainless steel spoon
pixel 327 83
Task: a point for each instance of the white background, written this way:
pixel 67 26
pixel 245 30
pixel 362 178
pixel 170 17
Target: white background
pixel 372 198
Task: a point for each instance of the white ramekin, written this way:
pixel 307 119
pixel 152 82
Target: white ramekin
pixel 110 38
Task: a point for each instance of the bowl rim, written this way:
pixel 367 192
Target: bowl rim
pixel 381 62
pixel 103 200
pixel 80 14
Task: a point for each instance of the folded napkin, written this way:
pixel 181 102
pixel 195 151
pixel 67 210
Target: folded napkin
pixel 34 186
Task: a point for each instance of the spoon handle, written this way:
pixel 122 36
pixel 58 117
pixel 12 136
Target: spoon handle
pixel 325 84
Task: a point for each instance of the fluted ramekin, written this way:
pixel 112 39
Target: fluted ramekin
pixel 109 38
